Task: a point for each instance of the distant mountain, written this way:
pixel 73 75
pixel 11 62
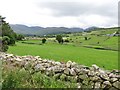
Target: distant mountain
pixel 91 28
pixel 36 30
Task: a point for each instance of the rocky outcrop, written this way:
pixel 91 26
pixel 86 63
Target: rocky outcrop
pixel 83 76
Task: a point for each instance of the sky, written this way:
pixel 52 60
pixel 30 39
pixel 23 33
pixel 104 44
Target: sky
pixel 61 13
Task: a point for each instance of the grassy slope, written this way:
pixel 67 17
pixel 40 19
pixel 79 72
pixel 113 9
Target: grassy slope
pixel 86 56
pixel 104 41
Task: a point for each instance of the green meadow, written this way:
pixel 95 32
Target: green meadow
pixel 104 58
pixel 101 49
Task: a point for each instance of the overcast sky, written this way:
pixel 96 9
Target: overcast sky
pixel 61 13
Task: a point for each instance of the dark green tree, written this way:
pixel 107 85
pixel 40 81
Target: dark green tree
pixel 59 39
pixel 7 31
pixel 43 40
pixel 85 38
pixel 7 34
pixel 20 37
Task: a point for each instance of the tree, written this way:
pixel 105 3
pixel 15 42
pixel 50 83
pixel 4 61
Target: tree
pixel 62 41
pixel 59 39
pixel 20 37
pixel 7 31
pixel 43 40
pixel 85 38
pixel 9 36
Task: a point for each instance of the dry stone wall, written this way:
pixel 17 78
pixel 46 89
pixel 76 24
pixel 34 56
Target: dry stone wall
pixel 83 76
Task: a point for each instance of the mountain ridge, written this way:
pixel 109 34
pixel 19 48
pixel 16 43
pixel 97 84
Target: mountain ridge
pixel 37 30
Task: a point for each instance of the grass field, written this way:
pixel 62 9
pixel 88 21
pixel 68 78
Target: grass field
pixel 104 58
pixel 96 38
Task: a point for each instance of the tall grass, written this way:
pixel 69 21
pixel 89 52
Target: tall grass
pixel 20 78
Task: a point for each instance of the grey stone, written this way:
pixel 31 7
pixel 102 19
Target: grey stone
pixel 107 83
pixel 95 78
pixel 68 64
pixel 95 67
pixel 39 67
pixel 77 70
pixel 58 69
pixel 113 79
pixel 73 64
pixel 72 72
pixel 113 88
pixel 116 84
pixel 111 75
pixel 16 64
pixel 49 69
pixel 22 64
pixel 18 59
pixel 57 63
pixel 46 65
pixel 85 71
pixel 103 86
pixel 101 71
pixel 97 85
pixel 9 55
pixel 37 57
pixel 67 71
pixel 85 82
pixel 104 76
pixel 50 62
pixel 91 73
pixel 44 61
pixel 27 65
pixel 84 76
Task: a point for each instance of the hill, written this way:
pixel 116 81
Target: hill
pixel 36 30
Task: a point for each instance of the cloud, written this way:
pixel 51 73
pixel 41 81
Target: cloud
pixel 81 8
pixel 63 13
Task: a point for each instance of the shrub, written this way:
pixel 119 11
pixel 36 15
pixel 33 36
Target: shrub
pixel 5 40
pixel 4 48
pixel 66 40
pixel 10 81
pixel 43 40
